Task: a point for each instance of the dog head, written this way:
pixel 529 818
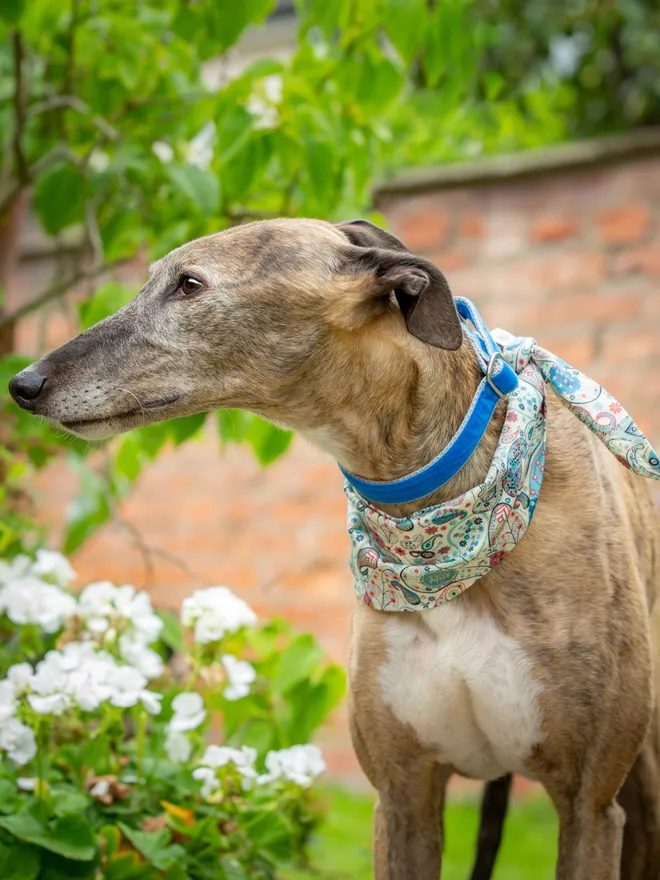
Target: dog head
pixel 250 318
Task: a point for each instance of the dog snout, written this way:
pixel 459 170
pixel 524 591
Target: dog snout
pixel 26 386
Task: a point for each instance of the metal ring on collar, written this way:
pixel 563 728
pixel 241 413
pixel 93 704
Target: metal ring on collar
pixel 490 372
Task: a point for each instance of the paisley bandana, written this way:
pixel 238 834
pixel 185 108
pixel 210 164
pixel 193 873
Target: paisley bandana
pixel 424 560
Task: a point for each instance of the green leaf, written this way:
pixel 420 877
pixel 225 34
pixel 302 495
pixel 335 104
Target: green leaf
pixel 122 235
pixel 107 300
pixel 267 441
pixel 18 862
pixel 9 797
pixel 59 198
pixel 201 187
pixel 233 425
pixel 11 10
pixel 127 867
pixel 128 459
pixel 154 846
pixel 320 156
pixel 232 869
pixel 68 836
pixel 297 662
pixel 68 801
pixel 92 511
pixel 271 831
pixel 54 867
pixel 172 632
pixel 313 702
pixel 110 840
pixel 183 429
pixel 405 21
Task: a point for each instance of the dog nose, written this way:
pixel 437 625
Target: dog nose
pixel 26 386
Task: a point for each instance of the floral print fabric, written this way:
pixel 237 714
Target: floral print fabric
pixel 424 560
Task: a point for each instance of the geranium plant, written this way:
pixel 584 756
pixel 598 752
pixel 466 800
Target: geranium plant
pixel 137 746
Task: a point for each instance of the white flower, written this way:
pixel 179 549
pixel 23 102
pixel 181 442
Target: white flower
pixel 177 746
pixel 27 783
pixel 18 741
pixel 163 151
pixel 54 704
pixel 30 600
pixel 20 675
pixel 100 789
pixel 214 612
pixel 107 609
pixel 129 689
pixel 135 652
pixel 189 712
pixel 298 764
pixel 240 675
pixel 50 564
pixel 83 675
pixel 219 756
pixel 17 568
pixel 210 781
pixel 200 149
pixel 49 686
pixel 99 161
pixel 7 700
pixel 263 102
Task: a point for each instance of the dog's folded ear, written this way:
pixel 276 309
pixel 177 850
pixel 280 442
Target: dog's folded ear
pixel 420 288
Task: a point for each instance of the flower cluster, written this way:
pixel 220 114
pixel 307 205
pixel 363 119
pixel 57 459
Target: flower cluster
pixel 119 618
pixel 33 591
pixel 215 612
pixel 76 663
pixel 223 765
pixel 298 764
pixel 79 677
pixel 125 616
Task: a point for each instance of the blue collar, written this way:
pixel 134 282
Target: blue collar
pixel 498 382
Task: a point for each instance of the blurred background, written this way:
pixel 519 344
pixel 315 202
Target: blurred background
pixel 513 142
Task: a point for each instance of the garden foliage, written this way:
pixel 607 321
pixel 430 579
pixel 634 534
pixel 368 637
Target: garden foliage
pixel 107 710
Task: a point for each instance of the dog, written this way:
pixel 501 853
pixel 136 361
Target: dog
pixel 544 668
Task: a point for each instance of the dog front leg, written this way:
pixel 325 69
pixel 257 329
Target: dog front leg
pixel 590 840
pixel 408 824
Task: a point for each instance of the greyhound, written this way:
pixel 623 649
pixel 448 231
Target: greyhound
pixel 543 668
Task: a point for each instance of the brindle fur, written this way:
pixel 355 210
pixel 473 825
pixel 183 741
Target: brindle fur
pixel 297 321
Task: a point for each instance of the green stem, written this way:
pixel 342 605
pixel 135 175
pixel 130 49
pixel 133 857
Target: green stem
pixel 141 741
pixel 42 764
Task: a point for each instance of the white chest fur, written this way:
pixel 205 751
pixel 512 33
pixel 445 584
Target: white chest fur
pixel 465 688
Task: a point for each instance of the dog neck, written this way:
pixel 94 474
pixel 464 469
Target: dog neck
pixel 396 410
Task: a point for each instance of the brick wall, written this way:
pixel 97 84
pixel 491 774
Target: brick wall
pixel 571 256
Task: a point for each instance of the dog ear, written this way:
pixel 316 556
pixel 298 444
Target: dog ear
pixel 365 234
pixel 420 287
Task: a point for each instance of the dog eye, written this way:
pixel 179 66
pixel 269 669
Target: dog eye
pixel 189 285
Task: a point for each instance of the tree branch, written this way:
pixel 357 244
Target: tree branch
pixel 19 108
pixel 58 102
pixel 57 290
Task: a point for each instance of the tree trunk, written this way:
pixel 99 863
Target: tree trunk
pixel 11 225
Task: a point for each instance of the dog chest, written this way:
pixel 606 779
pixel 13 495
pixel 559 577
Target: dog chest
pixel 465 688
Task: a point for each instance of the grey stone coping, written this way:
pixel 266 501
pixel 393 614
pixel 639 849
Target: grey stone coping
pixel 576 154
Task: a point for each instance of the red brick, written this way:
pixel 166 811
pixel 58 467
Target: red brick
pixel 423 230
pixel 548 229
pixel 640 260
pixel 471 226
pixel 637 345
pixel 449 261
pixel 587 308
pixel 579 353
pixel 624 224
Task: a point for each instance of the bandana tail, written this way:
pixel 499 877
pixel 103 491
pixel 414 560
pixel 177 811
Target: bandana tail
pixel 601 413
